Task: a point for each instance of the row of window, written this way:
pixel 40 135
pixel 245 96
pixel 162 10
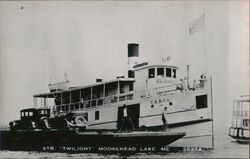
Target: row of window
pixel 67 98
pixel 23 114
pixel 240 113
pixel 246 122
pixel 169 72
pixel 238 123
pixel 26 114
pixel 239 132
pixel 92 103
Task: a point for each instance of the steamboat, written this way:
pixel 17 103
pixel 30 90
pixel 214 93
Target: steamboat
pixel 144 94
pixel 239 129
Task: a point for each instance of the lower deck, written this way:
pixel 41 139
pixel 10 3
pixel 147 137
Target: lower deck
pixel 240 134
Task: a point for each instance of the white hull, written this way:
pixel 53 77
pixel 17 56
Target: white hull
pixel 197 135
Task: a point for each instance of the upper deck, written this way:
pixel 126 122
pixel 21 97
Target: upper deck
pixel 76 98
pixel 115 92
pixel 241 107
pixel 116 82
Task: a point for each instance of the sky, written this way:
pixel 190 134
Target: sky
pixel 88 40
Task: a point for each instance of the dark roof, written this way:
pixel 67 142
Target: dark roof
pixel 32 109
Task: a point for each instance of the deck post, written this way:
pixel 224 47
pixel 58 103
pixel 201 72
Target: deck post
pixel 61 100
pixel 41 102
pixel 80 99
pixel 118 90
pixel 104 95
pixel 91 95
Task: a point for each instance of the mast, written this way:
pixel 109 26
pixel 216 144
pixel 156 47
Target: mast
pixel 205 41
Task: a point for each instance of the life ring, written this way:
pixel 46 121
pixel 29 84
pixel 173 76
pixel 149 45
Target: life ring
pixel 80 121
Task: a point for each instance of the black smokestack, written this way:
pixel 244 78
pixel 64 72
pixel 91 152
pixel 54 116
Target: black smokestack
pixel 133 50
pixel 133 54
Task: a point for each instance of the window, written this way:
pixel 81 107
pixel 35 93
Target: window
pixel 131 87
pixel 168 72
pixel 30 113
pixel 151 73
pixel 58 100
pixel 122 87
pixel 76 106
pixel 97 115
pixel 100 102
pixel 122 90
pixel 160 72
pixel 72 107
pixel 174 73
pixel 131 74
pixel 245 122
pixel 239 123
pixel 86 116
pixel 201 101
pixel 93 103
pixel 67 107
pixel 88 104
pixel 81 105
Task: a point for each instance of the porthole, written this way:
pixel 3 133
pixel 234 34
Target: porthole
pixel 170 103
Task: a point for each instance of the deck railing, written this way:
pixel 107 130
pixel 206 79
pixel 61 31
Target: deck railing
pixel 132 95
pixel 241 113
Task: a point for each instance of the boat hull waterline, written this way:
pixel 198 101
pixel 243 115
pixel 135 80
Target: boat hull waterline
pixel 84 141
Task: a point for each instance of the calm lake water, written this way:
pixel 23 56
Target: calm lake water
pixel 225 147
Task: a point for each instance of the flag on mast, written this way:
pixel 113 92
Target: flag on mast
pixel 197 25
